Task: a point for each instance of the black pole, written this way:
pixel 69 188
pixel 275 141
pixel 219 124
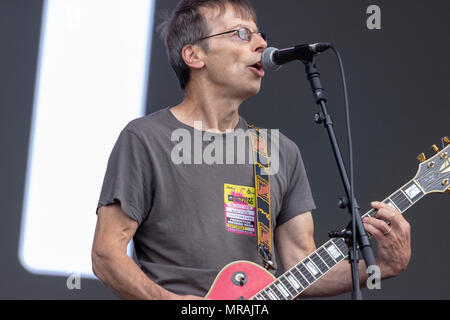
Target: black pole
pixel 359 235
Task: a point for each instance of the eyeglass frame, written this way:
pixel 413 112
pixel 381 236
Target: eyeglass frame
pixel 261 34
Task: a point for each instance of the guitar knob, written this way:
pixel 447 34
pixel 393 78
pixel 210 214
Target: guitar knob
pixel 446 139
pixel 435 148
pixel 422 157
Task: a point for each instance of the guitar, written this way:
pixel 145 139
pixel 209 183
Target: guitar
pixel 245 280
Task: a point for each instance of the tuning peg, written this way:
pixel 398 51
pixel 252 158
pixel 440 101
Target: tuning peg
pixel 422 157
pixel 446 139
pixel 435 148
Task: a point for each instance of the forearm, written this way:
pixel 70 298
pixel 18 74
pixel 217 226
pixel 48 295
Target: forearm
pixel 124 277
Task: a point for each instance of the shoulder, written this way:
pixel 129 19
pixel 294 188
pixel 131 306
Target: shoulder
pixel 153 120
pixel 151 127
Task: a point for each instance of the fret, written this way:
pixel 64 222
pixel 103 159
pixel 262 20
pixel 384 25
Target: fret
pixel 294 282
pixel 282 289
pixel 312 268
pixel 271 295
pixel 413 191
pixel 277 292
pixel 265 295
pixel 306 273
pixel 319 263
pixel 419 186
pixel 288 286
pixel 372 213
pixel 401 201
pixel 340 243
pixel 326 257
pixel 403 192
pixel 391 203
pixel 300 277
pixel 333 251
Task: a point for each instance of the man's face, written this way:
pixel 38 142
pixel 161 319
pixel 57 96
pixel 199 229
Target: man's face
pixel 230 61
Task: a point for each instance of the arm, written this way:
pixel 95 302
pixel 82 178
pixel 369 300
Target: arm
pixel 113 266
pixel 294 240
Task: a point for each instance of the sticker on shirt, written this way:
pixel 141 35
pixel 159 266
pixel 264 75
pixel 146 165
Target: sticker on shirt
pixel 240 210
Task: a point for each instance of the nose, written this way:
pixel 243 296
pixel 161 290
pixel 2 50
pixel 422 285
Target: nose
pixel 260 43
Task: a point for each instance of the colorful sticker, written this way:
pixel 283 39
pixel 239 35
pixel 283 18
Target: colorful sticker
pixel 240 209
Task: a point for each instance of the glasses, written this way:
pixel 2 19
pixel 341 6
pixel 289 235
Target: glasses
pixel 243 33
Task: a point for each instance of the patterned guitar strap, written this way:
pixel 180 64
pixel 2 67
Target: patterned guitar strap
pixel 262 186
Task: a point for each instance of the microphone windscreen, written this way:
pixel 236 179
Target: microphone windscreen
pixel 267 60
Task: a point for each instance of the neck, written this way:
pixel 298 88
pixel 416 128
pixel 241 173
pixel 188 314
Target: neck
pixel 218 113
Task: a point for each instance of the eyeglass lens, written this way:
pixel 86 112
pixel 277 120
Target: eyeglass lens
pixel 246 34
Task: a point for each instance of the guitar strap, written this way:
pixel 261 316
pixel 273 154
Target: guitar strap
pixel 262 186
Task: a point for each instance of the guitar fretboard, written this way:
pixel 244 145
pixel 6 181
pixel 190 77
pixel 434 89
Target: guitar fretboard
pixel 297 279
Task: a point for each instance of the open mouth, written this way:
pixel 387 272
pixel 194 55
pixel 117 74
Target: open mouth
pixel 257 68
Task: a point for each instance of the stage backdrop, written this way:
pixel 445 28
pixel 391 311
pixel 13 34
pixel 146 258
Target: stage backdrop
pixel 397 76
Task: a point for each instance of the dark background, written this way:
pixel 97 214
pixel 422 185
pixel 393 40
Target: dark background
pixel 398 86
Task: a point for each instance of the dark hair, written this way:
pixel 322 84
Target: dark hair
pixel 186 24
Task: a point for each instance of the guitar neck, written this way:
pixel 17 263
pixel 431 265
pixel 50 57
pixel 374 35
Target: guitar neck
pixel 297 279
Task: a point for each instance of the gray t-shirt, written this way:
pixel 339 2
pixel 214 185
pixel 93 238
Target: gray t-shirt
pixel 195 218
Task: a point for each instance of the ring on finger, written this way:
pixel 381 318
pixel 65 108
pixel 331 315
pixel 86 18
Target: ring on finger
pixel 387 232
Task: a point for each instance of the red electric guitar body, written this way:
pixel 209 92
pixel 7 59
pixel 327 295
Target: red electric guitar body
pixel 239 280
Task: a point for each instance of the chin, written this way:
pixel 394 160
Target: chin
pixel 253 87
pixel 254 90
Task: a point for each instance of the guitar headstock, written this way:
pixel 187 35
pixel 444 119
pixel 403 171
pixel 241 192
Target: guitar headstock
pixel 434 173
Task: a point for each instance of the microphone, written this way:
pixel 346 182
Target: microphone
pixel 273 58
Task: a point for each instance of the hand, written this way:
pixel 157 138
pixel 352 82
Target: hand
pixel 393 237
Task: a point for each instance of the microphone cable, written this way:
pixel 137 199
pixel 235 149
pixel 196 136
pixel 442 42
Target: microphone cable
pixel 350 148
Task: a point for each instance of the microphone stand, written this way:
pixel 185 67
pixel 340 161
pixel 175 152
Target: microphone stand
pixel 356 233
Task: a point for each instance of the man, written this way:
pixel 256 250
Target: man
pixel 175 212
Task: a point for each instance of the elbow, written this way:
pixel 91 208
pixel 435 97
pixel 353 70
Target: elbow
pixel 95 263
pixel 98 259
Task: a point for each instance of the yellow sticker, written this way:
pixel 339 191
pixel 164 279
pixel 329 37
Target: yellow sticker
pixel 240 209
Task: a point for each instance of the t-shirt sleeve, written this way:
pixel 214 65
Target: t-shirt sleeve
pixel 298 198
pixel 127 179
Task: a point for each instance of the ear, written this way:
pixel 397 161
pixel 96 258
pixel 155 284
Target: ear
pixel 193 56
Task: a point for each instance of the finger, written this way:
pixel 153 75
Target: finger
pixel 378 205
pixel 381 206
pixel 375 232
pixel 392 215
pixel 377 223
